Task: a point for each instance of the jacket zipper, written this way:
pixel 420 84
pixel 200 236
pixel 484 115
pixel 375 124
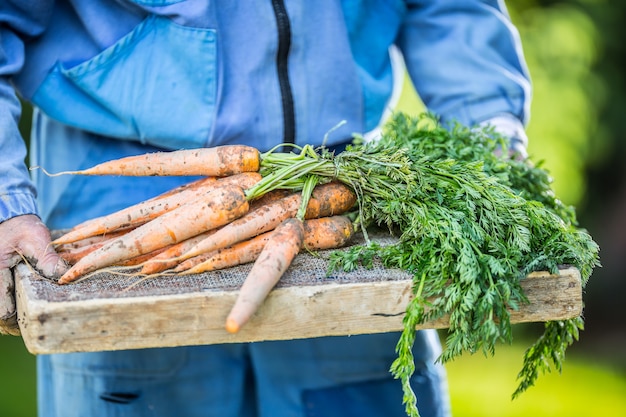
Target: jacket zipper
pixel 282 55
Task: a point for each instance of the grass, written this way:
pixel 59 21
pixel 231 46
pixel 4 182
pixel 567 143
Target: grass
pixel 482 386
pixel 17 379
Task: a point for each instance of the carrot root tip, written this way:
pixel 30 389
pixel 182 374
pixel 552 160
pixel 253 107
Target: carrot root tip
pixel 232 326
pixel 50 174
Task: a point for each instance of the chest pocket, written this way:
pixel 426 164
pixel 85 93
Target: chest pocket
pixel 158 85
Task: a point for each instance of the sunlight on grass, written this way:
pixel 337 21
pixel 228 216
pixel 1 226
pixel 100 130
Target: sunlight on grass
pixel 17 379
pixel 482 387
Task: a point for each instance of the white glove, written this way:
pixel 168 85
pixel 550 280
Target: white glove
pixel 510 127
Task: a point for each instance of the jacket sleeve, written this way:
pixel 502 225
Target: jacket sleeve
pixel 19 20
pixel 466 62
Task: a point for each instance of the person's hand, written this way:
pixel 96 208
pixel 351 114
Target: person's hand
pixel 23 238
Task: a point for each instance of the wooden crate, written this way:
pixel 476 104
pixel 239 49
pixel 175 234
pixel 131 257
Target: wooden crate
pixel 113 312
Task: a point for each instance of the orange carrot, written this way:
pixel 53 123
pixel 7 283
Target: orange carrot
pixel 327 232
pixel 169 258
pixel 84 243
pixel 330 199
pixel 326 200
pixel 219 161
pixel 319 234
pixel 71 256
pixel 138 260
pixel 188 186
pixel 220 206
pixel 261 220
pixel 269 197
pixel 278 253
pixel 237 254
pixel 145 211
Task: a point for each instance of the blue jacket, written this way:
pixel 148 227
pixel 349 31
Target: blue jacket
pixel 179 74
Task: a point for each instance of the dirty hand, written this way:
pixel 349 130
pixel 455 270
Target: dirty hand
pixel 23 237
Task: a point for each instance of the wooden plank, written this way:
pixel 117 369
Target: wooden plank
pixel 8 312
pixel 319 307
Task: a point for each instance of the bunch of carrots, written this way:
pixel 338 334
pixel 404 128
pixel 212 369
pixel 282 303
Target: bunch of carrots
pixel 229 217
pixel 469 226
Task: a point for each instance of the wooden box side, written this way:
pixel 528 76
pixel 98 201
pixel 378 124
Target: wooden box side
pixel 290 312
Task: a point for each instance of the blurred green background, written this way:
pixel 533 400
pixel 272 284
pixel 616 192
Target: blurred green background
pixel 576 58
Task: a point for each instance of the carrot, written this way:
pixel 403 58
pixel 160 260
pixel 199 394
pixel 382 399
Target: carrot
pixel 278 253
pixel 71 256
pixel 188 186
pixel 319 234
pixel 75 244
pixel 327 233
pixel 138 260
pixel 88 241
pixel 220 206
pixel 169 258
pixel 258 221
pixel 219 161
pixel 145 211
pixel 330 199
pixel 269 197
pixel 326 200
pixel 237 254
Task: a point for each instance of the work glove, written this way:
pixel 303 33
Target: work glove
pixel 23 238
pixel 512 128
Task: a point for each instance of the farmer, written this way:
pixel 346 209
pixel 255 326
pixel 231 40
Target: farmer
pixel 109 79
